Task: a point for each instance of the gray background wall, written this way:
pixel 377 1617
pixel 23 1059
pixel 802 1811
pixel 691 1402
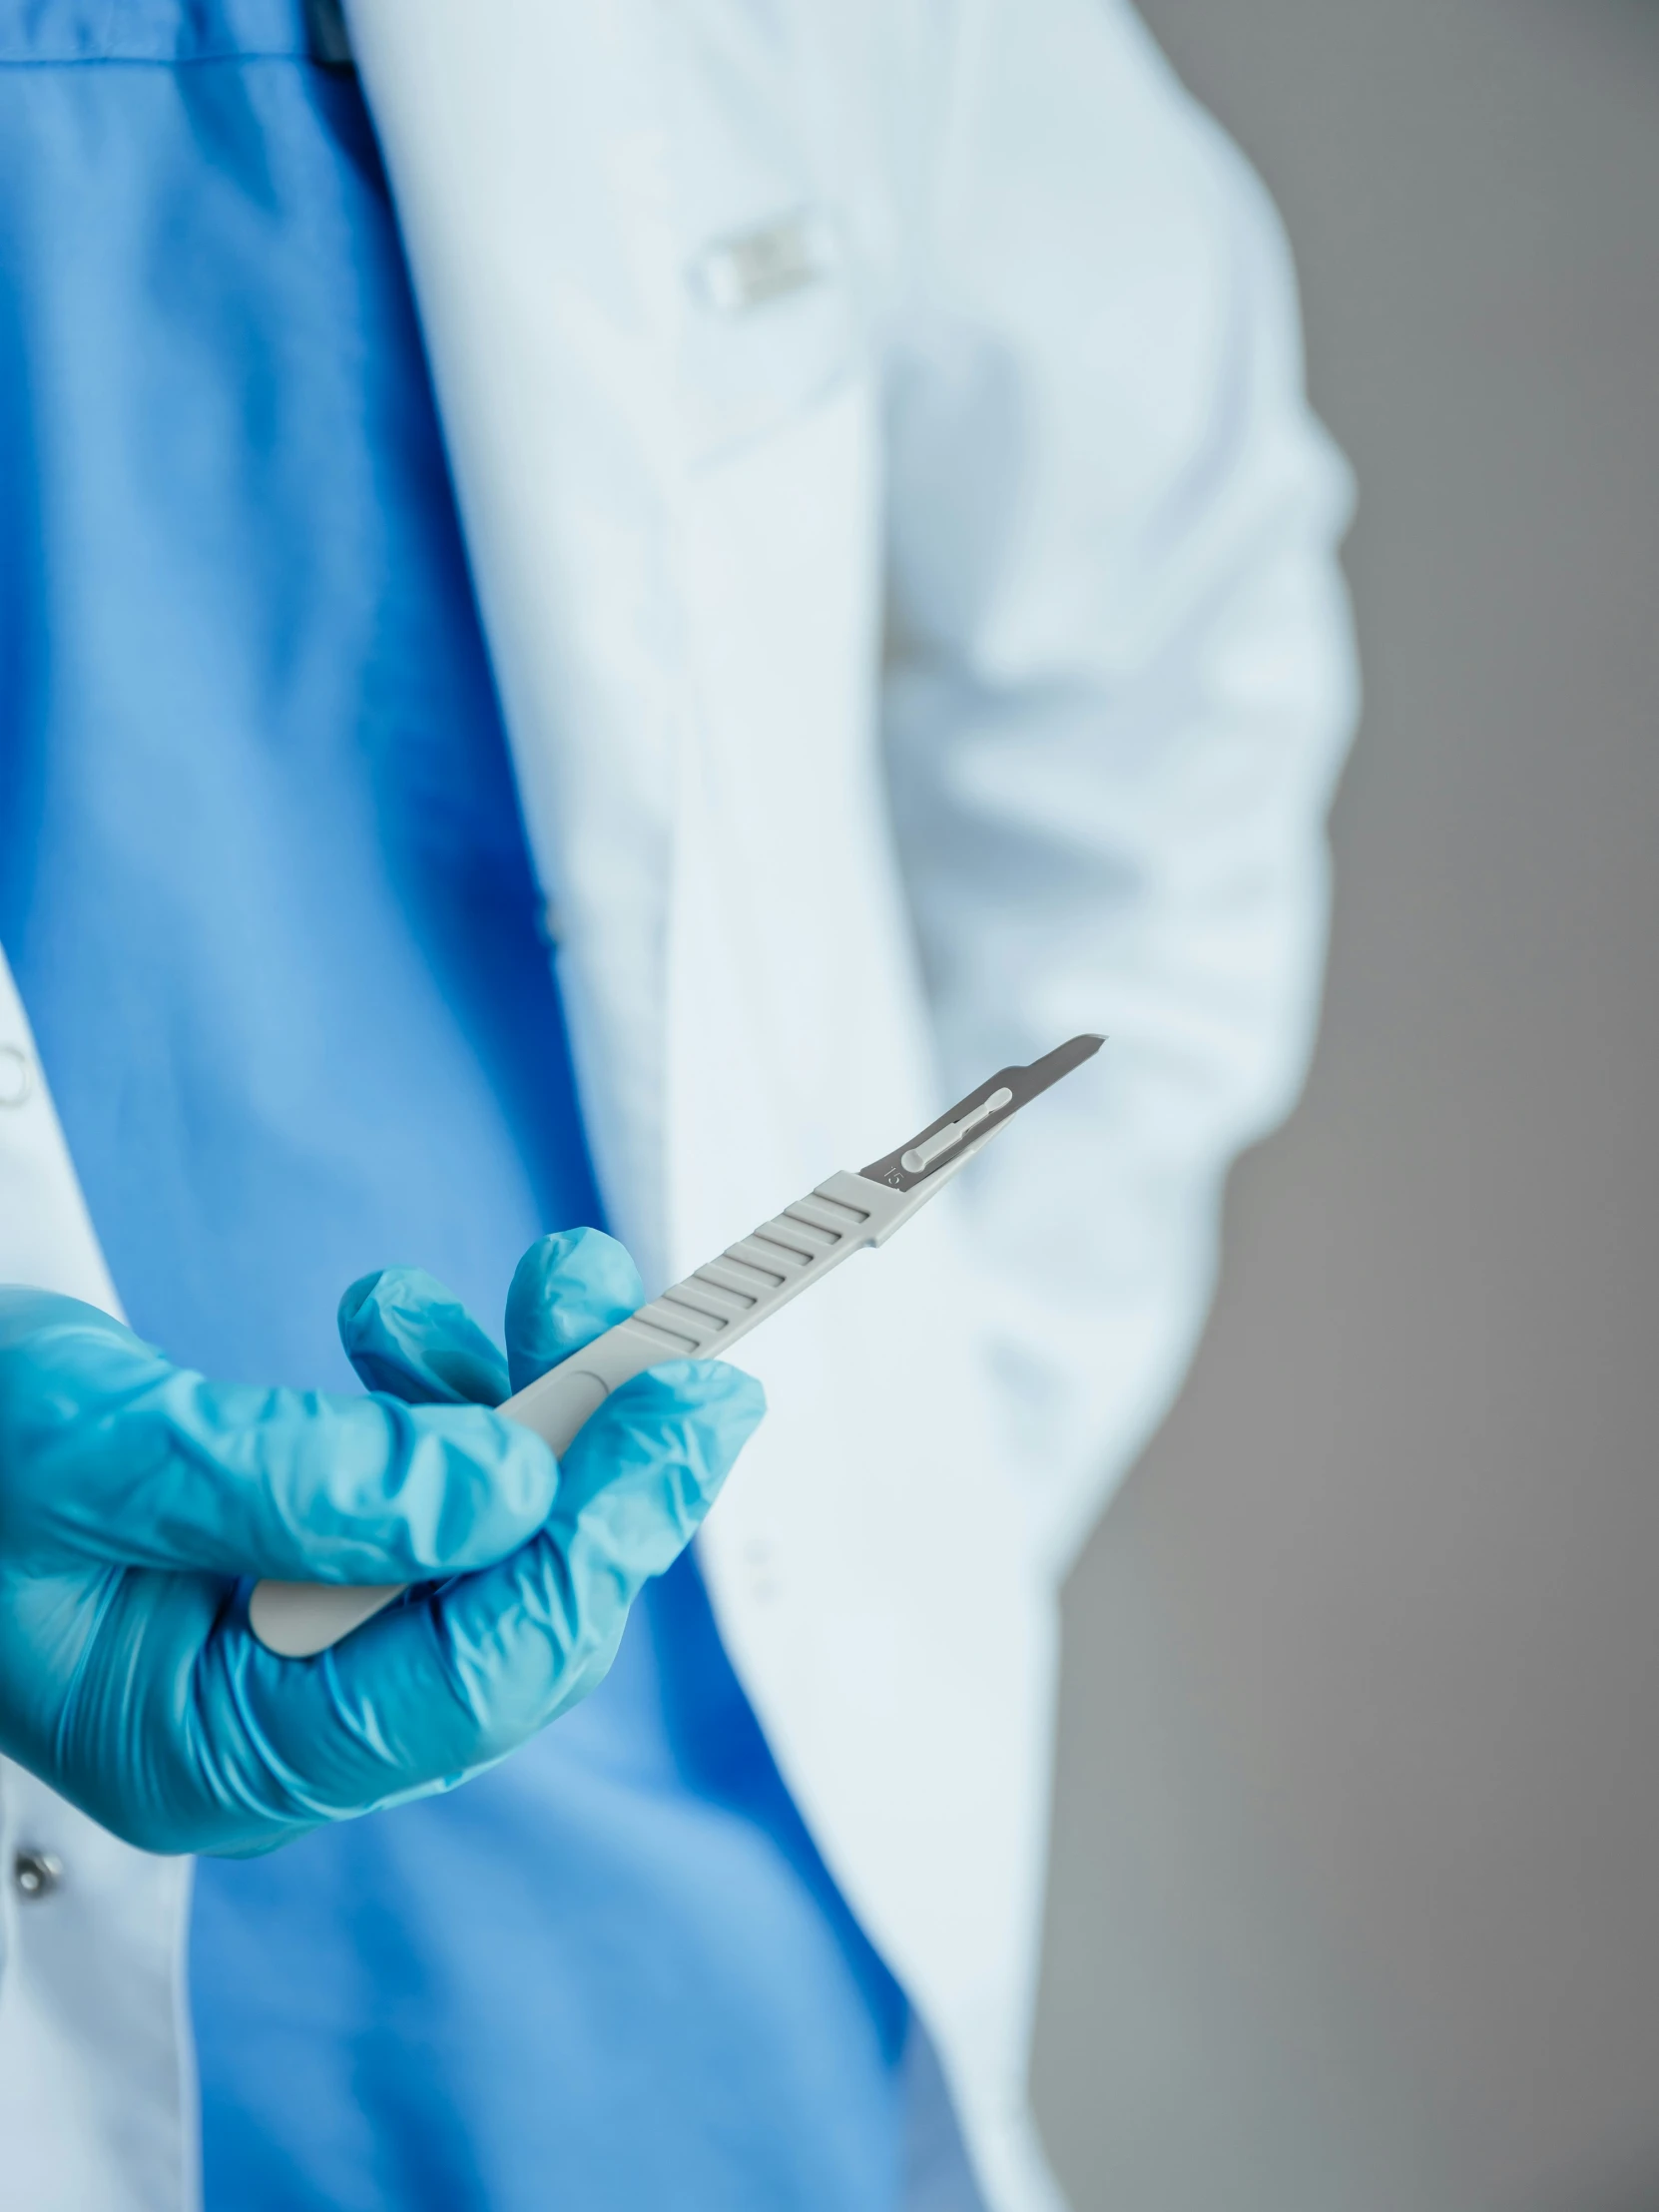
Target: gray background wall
pixel 1357 1888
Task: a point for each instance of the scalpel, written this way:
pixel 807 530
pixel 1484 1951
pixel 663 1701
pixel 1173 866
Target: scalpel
pixel 701 1317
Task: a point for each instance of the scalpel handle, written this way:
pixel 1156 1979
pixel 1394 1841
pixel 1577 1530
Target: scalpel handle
pixel 698 1319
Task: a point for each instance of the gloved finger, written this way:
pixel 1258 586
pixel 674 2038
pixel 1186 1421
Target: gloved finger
pixel 567 1290
pixel 430 1692
pixel 407 1334
pixel 409 1337
pixel 115 1455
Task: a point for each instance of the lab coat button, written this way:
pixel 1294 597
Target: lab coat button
pixel 36 1874
pixel 751 268
pixel 17 1077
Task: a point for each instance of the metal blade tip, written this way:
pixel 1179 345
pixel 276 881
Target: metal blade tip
pixel 1062 1061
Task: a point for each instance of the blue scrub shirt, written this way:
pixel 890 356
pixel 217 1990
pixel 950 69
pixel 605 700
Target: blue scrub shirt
pixel 264 884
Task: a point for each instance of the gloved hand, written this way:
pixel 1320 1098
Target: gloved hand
pixel 134 1494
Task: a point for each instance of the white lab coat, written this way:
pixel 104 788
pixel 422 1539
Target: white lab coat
pixel 903 670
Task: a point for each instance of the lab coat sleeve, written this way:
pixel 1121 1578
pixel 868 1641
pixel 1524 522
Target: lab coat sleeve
pixel 1120 683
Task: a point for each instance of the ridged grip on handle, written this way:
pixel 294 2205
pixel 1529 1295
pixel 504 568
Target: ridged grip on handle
pixel 698 1319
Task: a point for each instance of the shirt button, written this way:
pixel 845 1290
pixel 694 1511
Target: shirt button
pixel 17 1077
pixel 36 1874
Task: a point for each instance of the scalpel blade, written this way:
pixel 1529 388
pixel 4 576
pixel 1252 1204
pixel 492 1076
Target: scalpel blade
pixel 973 1118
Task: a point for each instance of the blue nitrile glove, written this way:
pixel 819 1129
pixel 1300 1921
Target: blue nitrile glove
pixel 132 1493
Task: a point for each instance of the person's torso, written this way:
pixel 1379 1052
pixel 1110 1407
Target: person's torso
pixel 673 492
pixel 265 889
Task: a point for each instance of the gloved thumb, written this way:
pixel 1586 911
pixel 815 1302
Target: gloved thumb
pixel 567 1290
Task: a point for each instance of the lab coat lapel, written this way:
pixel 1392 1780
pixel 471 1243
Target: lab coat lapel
pixel 545 268
pixel 529 147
